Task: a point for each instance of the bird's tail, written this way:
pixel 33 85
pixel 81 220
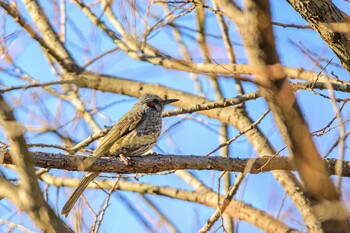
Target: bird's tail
pixel 90 176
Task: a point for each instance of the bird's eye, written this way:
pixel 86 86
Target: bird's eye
pixel 153 103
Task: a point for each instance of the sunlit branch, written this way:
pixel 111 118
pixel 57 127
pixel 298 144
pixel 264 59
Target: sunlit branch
pixel 236 209
pixel 157 163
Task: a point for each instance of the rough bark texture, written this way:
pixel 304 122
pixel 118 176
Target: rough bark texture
pixel 158 163
pixel 321 16
pixel 278 92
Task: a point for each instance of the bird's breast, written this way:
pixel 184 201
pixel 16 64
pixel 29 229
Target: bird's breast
pixel 141 139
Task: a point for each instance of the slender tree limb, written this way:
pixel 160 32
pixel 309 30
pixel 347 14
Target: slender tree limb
pixel 49 35
pixel 236 209
pixel 29 197
pixel 12 226
pixel 151 54
pixel 221 209
pixel 27 86
pixel 161 215
pixel 7 188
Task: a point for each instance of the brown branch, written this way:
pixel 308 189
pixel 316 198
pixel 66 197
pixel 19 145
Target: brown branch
pixel 225 102
pixel 50 36
pixel 344 86
pixel 157 163
pixel 228 142
pixel 97 224
pixel 281 99
pixel 236 209
pixel 321 15
pixel 30 200
pixel 285 25
pixel 151 54
pixel 44 43
pixel 221 209
pixel 235 118
pixel 27 86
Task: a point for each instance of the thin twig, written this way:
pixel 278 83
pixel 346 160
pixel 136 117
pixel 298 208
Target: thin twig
pixel 232 191
pixel 102 212
pixel 252 126
pixel 212 105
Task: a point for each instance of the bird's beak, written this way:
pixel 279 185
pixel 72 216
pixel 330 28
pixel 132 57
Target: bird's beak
pixel 169 101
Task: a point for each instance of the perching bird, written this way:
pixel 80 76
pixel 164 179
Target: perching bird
pixel 134 134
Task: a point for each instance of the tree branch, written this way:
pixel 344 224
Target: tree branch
pixel 288 116
pixel 321 16
pixel 29 197
pixel 158 163
pixel 236 209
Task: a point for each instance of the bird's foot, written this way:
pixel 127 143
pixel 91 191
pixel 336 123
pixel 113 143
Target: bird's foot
pixel 127 160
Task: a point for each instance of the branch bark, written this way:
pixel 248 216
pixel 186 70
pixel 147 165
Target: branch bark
pixel 28 196
pixel 321 16
pixel 236 209
pixel 158 163
pixel 278 93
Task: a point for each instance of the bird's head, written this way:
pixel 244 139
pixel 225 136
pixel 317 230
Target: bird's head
pixel 154 101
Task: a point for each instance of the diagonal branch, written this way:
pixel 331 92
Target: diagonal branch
pixel 282 102
pixel 29 197
pixel 50 36
pixel 322 15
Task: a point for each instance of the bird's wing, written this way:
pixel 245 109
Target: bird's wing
pixel 124 126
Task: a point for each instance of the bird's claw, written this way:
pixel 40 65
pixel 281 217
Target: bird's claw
pixel 127 160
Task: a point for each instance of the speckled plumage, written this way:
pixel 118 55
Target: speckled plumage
pixel 134 134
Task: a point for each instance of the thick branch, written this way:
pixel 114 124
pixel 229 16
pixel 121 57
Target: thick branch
pixel 29 197
pixel 287 113
pixel 227 115
pixel 158 163
pixel 322 15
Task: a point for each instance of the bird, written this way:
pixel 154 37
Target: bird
pixel 135 133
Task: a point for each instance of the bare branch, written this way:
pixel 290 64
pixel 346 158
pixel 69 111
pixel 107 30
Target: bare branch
pixel 321 14
pixel 157 163
pixel 236 209
pixel 38 210
pixel 288 116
